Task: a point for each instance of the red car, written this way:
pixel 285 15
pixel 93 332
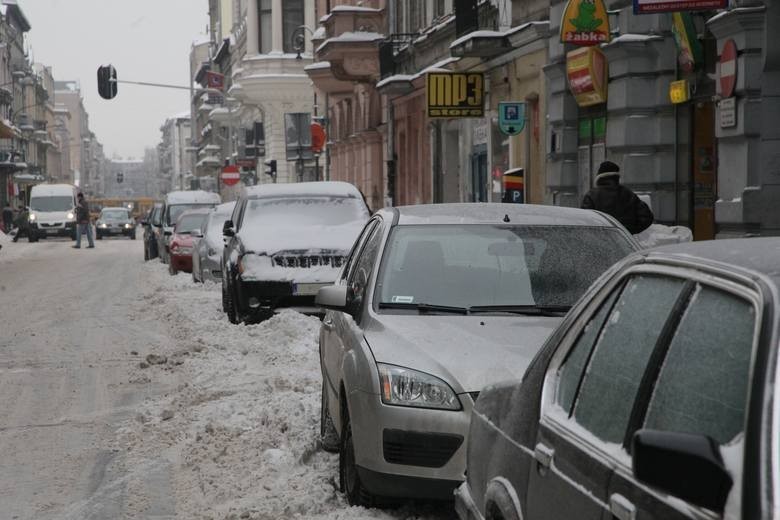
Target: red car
pixel 188 226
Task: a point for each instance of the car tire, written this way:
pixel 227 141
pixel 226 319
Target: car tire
pixel 98 236
pixel 32 237
pixel 329 437
pixel 132 235
pixel 224 297
pixel 230 307
pixel 349 479
pixel 146 253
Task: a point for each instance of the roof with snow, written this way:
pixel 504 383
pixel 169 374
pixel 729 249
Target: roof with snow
pixel 304 189
pixel 192 197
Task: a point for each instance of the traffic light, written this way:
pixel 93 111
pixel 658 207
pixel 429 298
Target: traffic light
pixel 106 76
pixel 120 177
pixel 270 167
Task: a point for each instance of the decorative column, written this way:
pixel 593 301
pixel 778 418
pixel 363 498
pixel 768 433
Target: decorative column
pixel 252 29
pixel 277 42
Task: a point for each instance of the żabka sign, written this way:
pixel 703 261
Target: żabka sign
pixel 585 22
pixel 670 6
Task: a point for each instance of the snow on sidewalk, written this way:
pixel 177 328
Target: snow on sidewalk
pixel 241 430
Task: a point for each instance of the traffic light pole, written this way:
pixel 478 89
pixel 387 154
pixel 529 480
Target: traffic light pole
pixel 147 84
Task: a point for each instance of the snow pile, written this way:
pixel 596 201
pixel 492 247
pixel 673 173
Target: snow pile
pixel 10 250
pixel 660 235
pixel 240 432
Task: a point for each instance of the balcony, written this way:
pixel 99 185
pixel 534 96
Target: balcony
pixel 323 78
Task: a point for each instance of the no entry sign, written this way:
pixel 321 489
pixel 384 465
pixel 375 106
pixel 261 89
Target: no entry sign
pixel 230 174
pixel 728 68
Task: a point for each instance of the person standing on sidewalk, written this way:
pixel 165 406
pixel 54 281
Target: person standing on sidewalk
pixel 612 198
pixel 82 223
pixel 8 218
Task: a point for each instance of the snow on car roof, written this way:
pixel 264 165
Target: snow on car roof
pixel 299 189
pixel 192 197
pixel 496 213
pixel 224 208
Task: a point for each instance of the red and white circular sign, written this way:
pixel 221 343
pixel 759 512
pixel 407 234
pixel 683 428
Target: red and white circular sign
pixel 728 68
pixel 231 175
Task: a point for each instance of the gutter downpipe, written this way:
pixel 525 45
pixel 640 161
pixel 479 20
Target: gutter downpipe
pixel 390 162
pixel 677 153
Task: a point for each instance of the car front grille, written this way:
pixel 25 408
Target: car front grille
pixel 305 261
pixel 430 450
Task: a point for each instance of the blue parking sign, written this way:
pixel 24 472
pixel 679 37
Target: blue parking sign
pixel 511 117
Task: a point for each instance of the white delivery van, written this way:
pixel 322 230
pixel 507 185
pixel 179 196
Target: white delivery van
pixel 176 203
pixel 53 210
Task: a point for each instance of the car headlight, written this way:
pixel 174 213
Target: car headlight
pixel 102 225
pixel 128 225
pixel 406 387
pixel 252 267
pixel 31 217
pixel 70 215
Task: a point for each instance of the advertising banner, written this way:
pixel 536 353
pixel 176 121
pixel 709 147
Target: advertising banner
pixel 455 94
pixel 585 22
pixel 586 69
pixel 671 6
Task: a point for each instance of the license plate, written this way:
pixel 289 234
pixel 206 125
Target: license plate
pixel 52 231
pixel 307 289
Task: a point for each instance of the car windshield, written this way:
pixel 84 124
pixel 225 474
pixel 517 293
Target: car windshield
pixel 115 214
pixel 189 223
pixel 216 224
pixel 56 203
pixel 468 266
pixel 173 212
pixel 304 211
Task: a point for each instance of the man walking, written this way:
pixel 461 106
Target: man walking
pixel 82 223
pixel 612 198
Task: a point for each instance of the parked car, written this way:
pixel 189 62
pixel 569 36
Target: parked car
pixel 187 228
pixel 52 211
pixel 207 253
pixel 657 397
pixel 176 203
pixel 435 302
pixel 152 223
pixel 285 241
pixel 115 221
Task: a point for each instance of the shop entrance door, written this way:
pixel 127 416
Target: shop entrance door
pixel 479 174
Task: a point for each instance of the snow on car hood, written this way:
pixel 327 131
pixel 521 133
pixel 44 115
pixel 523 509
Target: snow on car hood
pixel 469 352
pixel 296 238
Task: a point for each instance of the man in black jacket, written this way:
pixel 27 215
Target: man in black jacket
pixel 82 222
pixel 612 198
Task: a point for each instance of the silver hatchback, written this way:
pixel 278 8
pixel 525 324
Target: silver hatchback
pixel 433 303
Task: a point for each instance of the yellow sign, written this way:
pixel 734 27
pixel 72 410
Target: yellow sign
pixel 586 70
pixel 679 91
pixel 585 22
pixel 455 94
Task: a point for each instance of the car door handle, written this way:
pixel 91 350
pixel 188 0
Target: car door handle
pixel 544 454
pixel 328 324
pixel 621 507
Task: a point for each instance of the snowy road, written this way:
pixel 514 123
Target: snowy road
pixel 223 424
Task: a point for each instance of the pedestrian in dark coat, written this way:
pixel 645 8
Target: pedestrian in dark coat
pixel 612 198
pixel 22 224
pixel 8 217
pixel 82 222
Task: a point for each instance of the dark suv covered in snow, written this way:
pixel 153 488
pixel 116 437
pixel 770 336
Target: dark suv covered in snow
pixel 284 242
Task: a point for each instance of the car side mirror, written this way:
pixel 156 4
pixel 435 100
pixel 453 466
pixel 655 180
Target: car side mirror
pixel 197 234
pixel 685 465
pixel 333 297
pixel 227 229
pixel 168 233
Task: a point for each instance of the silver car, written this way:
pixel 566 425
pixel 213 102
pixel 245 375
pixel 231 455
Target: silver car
pixel 434 303
pixel 207 253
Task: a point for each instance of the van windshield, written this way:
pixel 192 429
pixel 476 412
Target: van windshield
pixel 56 203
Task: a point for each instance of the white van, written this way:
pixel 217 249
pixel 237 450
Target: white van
pixel 53 210
pixel 176 203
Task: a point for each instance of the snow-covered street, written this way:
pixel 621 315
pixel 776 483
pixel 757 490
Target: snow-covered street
pixel 126 393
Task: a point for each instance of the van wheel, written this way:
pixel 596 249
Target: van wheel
pixel 349 479
pixel 32 237
pixel 98 236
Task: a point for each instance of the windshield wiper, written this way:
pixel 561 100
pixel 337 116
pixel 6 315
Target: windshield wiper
pixel 527 310
pixel 424 308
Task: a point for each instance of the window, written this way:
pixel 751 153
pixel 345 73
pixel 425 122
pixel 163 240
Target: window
pixel 623 349
pixel 702 387
pixel 570 372
pixel 438 8
pixel 361 274
pixel 265 26
pixel 292 18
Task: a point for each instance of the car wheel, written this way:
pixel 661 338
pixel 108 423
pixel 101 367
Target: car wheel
pixel 349 479
pixel 132 235
pixel 146 253
pixel 32 237
pixel 98 236
pixel 224 297
pixel 329 437
pixel 230 306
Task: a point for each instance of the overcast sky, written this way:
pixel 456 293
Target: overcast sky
pixel 146 40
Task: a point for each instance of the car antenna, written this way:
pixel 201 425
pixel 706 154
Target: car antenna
pixel 506 218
